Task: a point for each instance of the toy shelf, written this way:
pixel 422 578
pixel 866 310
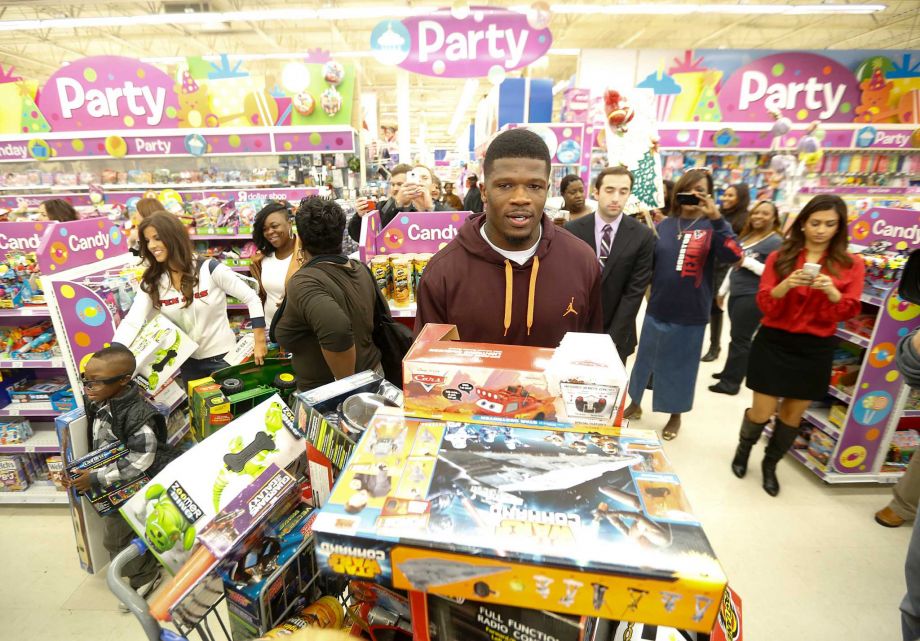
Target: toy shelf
pixel 850 337
pixel 221 236
pixel 404 312
pixel 37 494
pixel 26 312
pixel 14 409
pixel 819 418
pixel 840 395
pixel 42 442
pixel 38 363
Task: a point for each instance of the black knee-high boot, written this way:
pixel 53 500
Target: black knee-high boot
pixel 782 439
pixel 747 439
pixel 715 338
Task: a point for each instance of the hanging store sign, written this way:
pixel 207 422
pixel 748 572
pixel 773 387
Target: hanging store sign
pixel 471 44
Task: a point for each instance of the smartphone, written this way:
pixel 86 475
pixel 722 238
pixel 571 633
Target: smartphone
pixel 688 198
pixel 412 177
pixel 812 269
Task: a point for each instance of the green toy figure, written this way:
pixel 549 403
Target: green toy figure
pixel 254 465
pixel 165 523
pixel 163 357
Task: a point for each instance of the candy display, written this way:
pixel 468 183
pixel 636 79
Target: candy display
pixel 397 276
pixel 331 101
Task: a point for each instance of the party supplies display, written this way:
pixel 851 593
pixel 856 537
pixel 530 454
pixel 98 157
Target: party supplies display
pixel 107 499
pixel 572 522
pixel 581 381
pixel 160 349
pixel 187 493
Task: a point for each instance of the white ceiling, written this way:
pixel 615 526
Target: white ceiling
pixel 37 53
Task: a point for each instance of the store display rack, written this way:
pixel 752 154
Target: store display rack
pixel 38 494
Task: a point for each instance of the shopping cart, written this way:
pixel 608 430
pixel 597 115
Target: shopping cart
pixel 206 612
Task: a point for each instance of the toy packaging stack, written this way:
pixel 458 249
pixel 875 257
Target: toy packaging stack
pixel 20 282
pixel 19 472
pixel 579 382
pixel 17 430
pixel 52 394
pixel 576 522
pixel 903 445
pixel 13 476
pixel 182 498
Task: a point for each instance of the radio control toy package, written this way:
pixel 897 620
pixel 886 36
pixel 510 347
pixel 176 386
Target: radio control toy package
pixel 174 507
pixel 160 349
pixel 108 499
pixel 580 382
pixel 575 522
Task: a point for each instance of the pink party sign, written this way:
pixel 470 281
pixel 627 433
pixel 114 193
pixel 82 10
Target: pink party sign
pixel 79 242
pixel 410 233
pixel 21 237
pixel 465 42
pixel 109 93
pixel 802 86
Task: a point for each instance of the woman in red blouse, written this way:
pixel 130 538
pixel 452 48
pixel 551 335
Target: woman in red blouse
pixel 792 353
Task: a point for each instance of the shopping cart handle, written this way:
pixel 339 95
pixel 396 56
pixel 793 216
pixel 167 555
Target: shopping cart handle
pixel 124 593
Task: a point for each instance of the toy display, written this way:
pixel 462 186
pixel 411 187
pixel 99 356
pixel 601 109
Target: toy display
pixel 581 381
pixel 108 499
pixel 15 431
pixel 20 281
pixel 188 492
pixel 820 446
pixel 903 445
pixel 42 394
pixel 577 522
pixel 160 349
pixel 34 342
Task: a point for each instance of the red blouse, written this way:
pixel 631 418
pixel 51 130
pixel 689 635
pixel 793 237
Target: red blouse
pixel 805 310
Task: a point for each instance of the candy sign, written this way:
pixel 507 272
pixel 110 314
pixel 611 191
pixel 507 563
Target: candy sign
pixel 109 93
pixel 20 237
pixel 447 45
pixel 803 86
pixel 79 242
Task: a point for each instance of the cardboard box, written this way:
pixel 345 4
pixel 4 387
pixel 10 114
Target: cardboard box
pixel 40 394
pixel 573 522
pixel 188 492
pixel 210 408
pixel 160 349
pixel 108 499
pixel 580 382
pixel 13 477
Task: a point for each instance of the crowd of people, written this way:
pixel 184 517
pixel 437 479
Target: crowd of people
pixel 514 276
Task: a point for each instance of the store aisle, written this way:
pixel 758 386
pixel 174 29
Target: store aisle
pixel 810 564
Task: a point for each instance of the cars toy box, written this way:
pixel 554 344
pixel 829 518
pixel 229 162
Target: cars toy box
pixel 107 499
pixel 580 382
pixel 192 489
pixel 574 522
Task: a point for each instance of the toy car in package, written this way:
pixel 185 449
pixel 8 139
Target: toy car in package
pixel 190 491
pixel 160 349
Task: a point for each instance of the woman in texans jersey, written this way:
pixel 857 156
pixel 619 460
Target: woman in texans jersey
pixel 190 292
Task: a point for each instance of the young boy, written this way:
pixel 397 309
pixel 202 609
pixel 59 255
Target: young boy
pixel 116 411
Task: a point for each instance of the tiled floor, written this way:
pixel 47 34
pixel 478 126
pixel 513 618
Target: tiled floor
pixel 810 564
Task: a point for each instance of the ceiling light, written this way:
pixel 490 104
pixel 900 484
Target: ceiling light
pixel 711 8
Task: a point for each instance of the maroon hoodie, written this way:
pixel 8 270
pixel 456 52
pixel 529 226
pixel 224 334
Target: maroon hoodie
pixel 493 300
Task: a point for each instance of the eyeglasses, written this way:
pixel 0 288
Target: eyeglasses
pixel 101 382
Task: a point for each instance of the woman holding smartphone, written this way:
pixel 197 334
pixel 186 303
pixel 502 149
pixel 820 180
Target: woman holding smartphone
pixel 689 242
pixel 808 286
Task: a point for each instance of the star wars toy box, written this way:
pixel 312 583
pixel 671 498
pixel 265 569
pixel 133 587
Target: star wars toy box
pixel 177 503
pixel 160 348
pixel 576 522
pixel 580 382
pixel 107 499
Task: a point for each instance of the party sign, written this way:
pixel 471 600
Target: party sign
pixel 474 42
pixel 79 242
pixel 109 93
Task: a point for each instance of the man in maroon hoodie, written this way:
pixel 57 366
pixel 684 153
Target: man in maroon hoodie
pixel 511 276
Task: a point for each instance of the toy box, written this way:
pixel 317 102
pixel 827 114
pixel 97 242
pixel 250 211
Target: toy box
pixel 210 409
pixel 40 394
pixel 581 381
pixel 160 349
pixel 820 447
pixel 13 477
pixel 108 499
pixel 572 522
pixel 260 596
pixel 188 492
pixel 17 430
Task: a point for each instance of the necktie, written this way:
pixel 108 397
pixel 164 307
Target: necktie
pixel 605 244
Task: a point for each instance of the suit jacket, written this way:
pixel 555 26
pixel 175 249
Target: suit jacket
pixel 625 278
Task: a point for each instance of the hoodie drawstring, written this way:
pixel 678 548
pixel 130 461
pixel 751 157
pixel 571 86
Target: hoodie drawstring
pixel 509 297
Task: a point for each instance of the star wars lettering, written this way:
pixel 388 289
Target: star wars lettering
pixel 694 250
pixel 353 561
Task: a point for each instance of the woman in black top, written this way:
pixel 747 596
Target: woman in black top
pixel 734 209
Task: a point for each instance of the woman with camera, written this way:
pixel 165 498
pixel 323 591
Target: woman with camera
pixel 690 241
pixel 808 286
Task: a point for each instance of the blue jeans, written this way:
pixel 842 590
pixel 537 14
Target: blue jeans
pixel 195 368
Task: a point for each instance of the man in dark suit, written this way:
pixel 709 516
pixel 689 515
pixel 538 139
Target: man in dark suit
pixel 625 249
pixel 473 199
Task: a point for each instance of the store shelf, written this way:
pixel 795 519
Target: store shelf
pixel 38 494
pixel 878 301
pixel 14 409
pixel 39 363
pixel 175 438
pixel 248 184
pixel 840 395
pixel 818 417
pixel 856 339
pixel 404 312
pixel 221 236
pixel 910 414
pixel 24 312
pixel 835 478
pixel 42 442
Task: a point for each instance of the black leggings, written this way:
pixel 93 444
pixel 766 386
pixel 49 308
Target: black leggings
pixel 745 317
